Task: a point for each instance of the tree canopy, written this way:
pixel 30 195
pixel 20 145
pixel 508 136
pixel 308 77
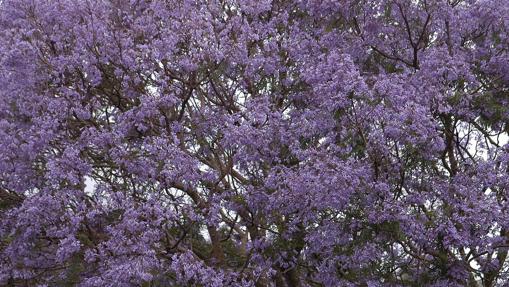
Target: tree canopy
pixel 254 143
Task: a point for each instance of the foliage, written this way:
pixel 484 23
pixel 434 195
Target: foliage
pixel 254 143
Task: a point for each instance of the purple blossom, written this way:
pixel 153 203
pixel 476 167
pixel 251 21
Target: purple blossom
pixel 254 143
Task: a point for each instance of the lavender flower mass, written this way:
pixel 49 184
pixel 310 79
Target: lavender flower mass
pixel 285 143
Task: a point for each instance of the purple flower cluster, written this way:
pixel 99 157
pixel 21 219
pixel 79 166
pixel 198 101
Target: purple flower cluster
pixel 254 143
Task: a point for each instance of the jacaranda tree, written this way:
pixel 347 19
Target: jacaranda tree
pixel 254 143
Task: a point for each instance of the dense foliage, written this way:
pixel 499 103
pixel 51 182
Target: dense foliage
pixel 254 143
